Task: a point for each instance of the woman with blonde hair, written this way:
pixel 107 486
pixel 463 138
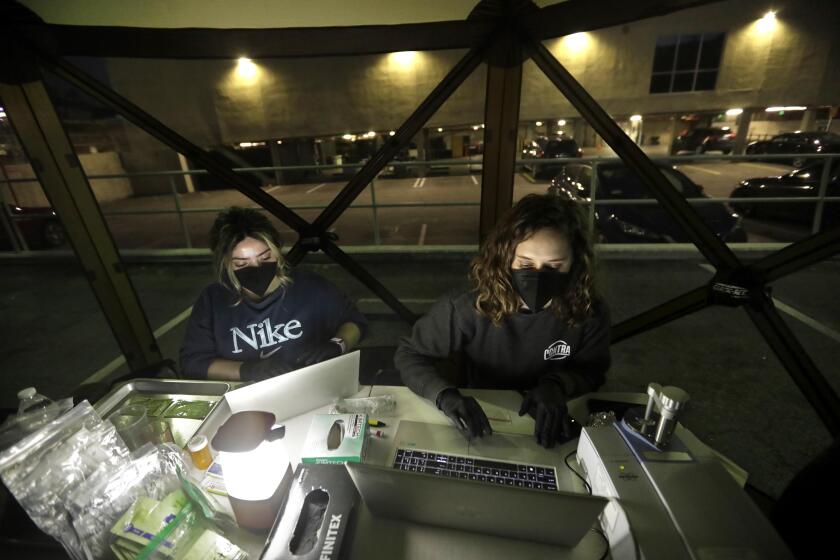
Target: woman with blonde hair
pixel 530 322
pixel 260 318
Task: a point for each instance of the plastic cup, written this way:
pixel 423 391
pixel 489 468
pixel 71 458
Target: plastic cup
pixel 133 426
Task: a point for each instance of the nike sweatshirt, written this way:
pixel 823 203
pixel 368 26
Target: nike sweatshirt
pixel 516 354
pixel 291 320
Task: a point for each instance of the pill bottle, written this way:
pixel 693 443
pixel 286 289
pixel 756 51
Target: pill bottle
pixel 199 449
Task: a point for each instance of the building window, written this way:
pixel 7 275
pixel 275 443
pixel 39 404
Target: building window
pixel 686 62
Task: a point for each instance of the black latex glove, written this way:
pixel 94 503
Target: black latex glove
pixel 258 370
pixel 547 404
pixel 319 353
pixel 467 414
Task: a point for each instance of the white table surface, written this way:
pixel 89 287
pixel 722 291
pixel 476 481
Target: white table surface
pixel 376 537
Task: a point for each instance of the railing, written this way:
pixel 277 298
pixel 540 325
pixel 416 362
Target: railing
pixel 422 169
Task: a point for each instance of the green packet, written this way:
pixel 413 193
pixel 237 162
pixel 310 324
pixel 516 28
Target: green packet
pixel 196 410
pixel 154 406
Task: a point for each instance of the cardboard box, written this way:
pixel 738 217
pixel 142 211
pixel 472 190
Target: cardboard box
pixel 335 438
pixel 319 518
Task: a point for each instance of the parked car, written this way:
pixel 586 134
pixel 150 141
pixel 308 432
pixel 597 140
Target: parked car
pixel 550 148
pixel 639 223
pixel 39 226
pixel 804 182
pixel 702 140
pixel 798 143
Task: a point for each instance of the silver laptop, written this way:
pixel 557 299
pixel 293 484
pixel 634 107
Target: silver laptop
pixel 301 390
pixel 557 518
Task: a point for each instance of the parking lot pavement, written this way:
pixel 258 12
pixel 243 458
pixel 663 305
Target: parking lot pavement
pixel 431 210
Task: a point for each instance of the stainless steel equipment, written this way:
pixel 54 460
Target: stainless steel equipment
pixel 177 406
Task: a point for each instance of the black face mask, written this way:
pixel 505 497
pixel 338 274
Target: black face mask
pixel 257 278
pixel 538 287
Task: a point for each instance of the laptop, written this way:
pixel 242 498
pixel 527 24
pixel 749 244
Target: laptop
pixel 556 518
pixel 302 390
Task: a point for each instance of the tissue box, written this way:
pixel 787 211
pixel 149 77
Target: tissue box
pixel 318 520
pixel 335 438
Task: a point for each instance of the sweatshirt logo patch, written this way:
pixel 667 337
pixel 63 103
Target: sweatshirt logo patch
pixel 557 351
pixel 265 335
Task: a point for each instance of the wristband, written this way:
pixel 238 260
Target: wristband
pixel 341 343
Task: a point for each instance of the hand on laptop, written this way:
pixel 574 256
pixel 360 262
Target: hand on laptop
pixel 259 370
pixel 465 412
pixel 320 353
pixel 547 404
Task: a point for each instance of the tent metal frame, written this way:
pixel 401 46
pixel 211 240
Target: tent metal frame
pixel 496 33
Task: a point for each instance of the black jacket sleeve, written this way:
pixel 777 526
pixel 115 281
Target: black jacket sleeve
pixel 199 347
pixel 586 372
pixel 435 336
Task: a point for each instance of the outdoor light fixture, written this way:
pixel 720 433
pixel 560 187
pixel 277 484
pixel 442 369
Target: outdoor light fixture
pixel 476 126
pixel 246 69
pixel 577 41
pixel 279 141
pixel 785 108
pixel 404 58
pixel 440 129
pixel 347 136
pixel 391 132
pixel 254 465
pixel 635 118
pixel 767 22
pixel 2 113
pixel 482 125
pixel 539 123
pixel 561 122
pixel 370 134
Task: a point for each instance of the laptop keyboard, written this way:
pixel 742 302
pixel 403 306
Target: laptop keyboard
pixel 484 470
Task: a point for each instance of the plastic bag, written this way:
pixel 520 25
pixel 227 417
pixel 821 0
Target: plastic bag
pixel 381 405
pixel 18 426
pixel 98 503
pixel 174 527
pixel 44 468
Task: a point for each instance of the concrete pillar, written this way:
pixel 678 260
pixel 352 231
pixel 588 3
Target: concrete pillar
pixel 188 180
pixel 741 136
pixel 274 150
pixel 809 118
pixel 579 131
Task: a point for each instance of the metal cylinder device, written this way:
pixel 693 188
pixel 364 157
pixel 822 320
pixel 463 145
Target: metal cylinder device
pixel 671 401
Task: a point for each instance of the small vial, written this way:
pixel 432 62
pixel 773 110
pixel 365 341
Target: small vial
pixel 200 452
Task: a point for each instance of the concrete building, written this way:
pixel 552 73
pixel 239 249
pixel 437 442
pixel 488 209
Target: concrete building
pixel 785 57
pixel 729 62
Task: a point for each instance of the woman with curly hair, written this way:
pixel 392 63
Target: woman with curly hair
pixel 530 322
pixel 261 319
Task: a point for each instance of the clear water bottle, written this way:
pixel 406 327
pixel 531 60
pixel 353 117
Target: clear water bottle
pixel 31 400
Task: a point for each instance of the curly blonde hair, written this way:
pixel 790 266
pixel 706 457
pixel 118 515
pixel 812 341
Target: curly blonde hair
pixel 490 271
pixel 232 226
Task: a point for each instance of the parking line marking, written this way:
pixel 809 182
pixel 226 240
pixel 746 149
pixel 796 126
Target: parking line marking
pixel 315 188
pixel 416 182
pixel 423 230
pixel 764 166
pixel 117 362
pixel 813 323
pixel 474 180
pixel 272 189
pixel 694 167
pixel 795 313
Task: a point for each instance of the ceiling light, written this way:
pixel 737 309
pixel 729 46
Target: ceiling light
pixel 734 112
